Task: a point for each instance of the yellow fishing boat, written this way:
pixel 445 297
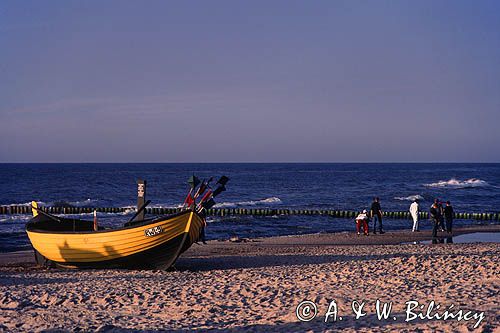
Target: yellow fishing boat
pixel 150 243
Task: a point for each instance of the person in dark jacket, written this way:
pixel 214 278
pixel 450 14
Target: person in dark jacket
pixel 440 217
pixel 434 215
pixel 376 213
pixel 449 214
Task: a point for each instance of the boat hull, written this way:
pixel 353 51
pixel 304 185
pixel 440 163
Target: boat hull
pixel 152 245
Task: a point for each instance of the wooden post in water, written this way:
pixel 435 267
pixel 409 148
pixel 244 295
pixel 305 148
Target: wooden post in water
pixel 141 198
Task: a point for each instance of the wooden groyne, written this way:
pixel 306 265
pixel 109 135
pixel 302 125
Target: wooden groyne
pixel 23 209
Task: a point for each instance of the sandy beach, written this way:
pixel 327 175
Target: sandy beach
pixel 256 286
pixel 274 131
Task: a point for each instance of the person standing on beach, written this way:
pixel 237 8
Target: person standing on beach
pixel 414 214
pixel 434 215
pixel 448 214
pixel 376 213
pixel 362 220
pixel 440 212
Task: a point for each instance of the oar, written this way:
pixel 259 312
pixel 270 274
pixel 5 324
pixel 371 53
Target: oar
pixel 223 180
pixel 203 187
pixel 50 216
pixel 208 199
pixel 139 210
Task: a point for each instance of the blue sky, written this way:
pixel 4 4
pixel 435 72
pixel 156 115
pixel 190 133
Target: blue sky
pixel 249 81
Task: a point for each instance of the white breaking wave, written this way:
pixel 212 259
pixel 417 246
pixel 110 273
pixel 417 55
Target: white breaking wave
pixel 455 183
pixel 134 208
pixel 410 197
pixel 128 210
pixel 79 203
pixel 165 206
pixel 10 218
pixel 40 203
pixel 271 200
pixel 211 219
pixel 82 203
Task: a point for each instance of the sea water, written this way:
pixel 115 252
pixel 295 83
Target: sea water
pixel 340 186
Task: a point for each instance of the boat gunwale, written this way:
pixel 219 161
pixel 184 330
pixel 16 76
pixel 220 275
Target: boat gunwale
pixel 30 226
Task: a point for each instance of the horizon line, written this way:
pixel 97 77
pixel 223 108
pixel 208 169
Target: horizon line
pixel 258 162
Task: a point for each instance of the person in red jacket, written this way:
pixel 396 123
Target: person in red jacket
pixel 362 220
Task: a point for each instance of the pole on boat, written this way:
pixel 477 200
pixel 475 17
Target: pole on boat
pixel 34 208
pixel 50 216
pixel 141 198
pixel 139 211
pixel 193 181
pixel 95 220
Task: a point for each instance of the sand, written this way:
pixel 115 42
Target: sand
pixel 256 285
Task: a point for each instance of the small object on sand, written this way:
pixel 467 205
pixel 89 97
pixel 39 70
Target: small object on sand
pixel 235 239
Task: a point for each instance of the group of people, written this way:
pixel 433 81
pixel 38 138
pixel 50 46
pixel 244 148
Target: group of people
pixel 441 217
pixel 375 213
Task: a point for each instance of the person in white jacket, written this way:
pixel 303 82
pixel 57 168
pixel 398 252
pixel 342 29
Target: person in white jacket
pixel 362 221
pixel 414 214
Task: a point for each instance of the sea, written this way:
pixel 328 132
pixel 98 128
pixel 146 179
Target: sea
pixel 339 186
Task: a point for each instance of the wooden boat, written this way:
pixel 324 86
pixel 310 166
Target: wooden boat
pixel 147 244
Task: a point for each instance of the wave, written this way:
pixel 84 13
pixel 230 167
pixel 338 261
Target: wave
pixel 410 197
pixel 60 203
pixel 455 183
pixel 40 203
pixel 83 203
pixel 164 206
pixel 267 201
pixel 14 218
pixel 90 203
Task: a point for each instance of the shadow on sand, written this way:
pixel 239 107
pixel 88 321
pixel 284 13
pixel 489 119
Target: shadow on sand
pixel 370 321
pixel 262 261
